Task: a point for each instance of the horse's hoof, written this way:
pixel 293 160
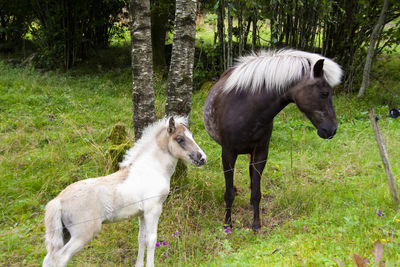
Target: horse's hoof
pixel 256 228
pixel 228 226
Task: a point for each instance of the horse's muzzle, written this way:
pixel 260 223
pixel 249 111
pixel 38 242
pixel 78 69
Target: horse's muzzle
pixel 327 133
pixel 197 158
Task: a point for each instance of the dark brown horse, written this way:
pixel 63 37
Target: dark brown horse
pixel 240 108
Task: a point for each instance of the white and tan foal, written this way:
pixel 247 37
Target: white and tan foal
pixel 139 189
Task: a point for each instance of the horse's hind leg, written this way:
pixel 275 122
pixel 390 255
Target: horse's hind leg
pixel 228 162
pixel 74 245
pixel 81 234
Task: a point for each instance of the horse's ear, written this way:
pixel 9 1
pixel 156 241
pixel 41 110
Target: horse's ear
pixel 171 125
pixel 318 68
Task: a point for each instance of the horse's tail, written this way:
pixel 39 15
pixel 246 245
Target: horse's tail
pixel 54 227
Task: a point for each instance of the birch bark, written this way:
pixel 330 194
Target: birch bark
pixel 180 76
pixel 142 66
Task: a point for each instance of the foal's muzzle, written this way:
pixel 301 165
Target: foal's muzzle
pixel 197 158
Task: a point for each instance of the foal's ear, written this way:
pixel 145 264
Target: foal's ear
pixel 171 125
pixel 318 68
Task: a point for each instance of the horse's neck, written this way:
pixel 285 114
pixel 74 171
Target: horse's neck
pixel 156 159
pixel 271 104
pixel 282 100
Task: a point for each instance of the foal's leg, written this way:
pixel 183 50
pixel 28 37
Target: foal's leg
pixel 151 221
pixel 74 245
pixel 81 234
pixel 142 242
pixel 228 162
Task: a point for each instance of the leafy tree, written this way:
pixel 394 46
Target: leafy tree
pixel 68 29
pixel 15 18
pixel 162 17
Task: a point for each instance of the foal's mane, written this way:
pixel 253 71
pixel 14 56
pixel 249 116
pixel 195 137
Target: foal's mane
pixel 277 70
pixel 149 139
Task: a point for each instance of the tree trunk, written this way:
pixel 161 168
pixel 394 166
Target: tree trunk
pixel 254 31
pixel 246 33
pixel 370 55
pixel 221 32
pixel 142 66
pixel 230 54
pixel 240 27
pixel 180 76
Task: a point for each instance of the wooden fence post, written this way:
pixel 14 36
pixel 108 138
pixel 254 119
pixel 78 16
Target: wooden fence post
pixel 385 158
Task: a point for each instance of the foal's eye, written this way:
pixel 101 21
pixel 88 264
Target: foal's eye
pixel 324 94
pixel 180 139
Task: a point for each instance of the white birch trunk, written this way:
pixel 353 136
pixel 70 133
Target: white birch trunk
pixel 142 66
pixel 180 76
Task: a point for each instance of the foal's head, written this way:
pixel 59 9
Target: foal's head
pixel 314 98
pixel 182 145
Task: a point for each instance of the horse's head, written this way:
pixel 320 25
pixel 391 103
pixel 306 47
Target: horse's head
pixel 182 145
pixel 314 98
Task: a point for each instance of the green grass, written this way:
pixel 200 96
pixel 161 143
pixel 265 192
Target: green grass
pixel 320 197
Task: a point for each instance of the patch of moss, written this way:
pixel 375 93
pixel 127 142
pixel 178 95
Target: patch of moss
pixel 118 146
pixel 115 155
pixel 118 134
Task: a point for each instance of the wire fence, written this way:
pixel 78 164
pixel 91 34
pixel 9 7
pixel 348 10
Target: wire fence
pixel 174 191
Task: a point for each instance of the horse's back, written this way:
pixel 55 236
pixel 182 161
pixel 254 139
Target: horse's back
pixel 240 119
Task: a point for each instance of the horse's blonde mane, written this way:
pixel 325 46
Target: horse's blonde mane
pixel 148 138
pixel 277 70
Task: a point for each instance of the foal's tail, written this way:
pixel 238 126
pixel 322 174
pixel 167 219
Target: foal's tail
pixel 54 227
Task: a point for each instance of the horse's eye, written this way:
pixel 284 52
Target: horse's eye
pixel 324 94
pixel 180 139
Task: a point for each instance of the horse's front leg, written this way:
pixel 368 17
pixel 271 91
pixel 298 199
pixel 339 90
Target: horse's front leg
pixel 228 162
pixel 151 221
pixel 258 159
pixel 257 164
pixel 142 242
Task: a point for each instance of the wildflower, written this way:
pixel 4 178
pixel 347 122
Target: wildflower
pixel 227 230
pixel 157 244
pixel 380 229
pixel 380 213
pixel 383 240
pixel 175 234
pixel 397 220
pixel 164 243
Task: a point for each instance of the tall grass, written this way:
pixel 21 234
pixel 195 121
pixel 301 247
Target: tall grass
pixel 320 197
